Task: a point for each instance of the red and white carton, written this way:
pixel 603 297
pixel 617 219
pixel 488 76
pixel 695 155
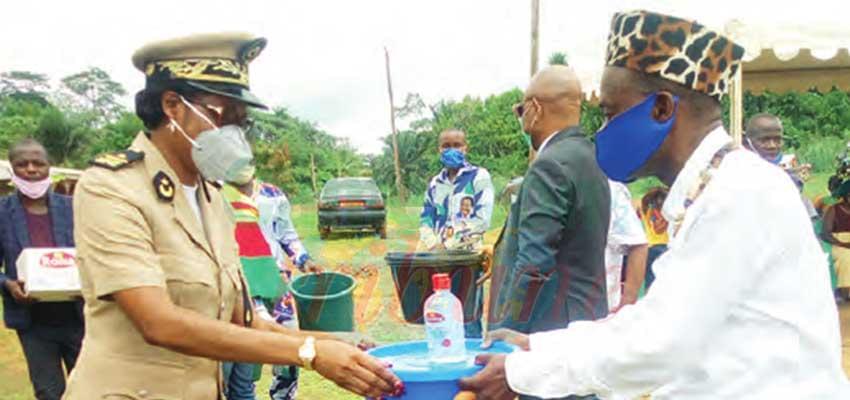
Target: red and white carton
pixel 50 274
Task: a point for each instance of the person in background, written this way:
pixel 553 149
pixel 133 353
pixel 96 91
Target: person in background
pixel 836 232
pixel 764 136
pixel 446 192
pixel 626 241
pixel 549 268
pixel 444 196
pixel 741 308
pixel 655 227
pixel 256 204
pixel 50 333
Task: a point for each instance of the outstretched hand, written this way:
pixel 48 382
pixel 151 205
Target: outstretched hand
pixel 355 370
pixel 311 267
pixel 491 383
pixel 506 335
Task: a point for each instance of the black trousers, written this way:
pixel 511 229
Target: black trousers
pixel 47 349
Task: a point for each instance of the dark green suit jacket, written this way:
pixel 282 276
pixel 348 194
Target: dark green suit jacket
pixel 549 264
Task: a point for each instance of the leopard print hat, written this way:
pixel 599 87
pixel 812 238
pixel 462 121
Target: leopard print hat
pixel 675 49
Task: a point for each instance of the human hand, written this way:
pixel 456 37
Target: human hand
pixel 16 289
pixel 491 383
pixel 354 370
pixel 359 340
pixel 625 300
pixel 312 268
pixel 506 335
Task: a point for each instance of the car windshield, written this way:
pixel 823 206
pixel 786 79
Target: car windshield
pixel 350 187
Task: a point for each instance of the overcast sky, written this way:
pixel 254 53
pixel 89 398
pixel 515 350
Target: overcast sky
pixel 324 61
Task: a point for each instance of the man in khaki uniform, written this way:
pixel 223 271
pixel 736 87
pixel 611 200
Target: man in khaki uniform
pixel 165 297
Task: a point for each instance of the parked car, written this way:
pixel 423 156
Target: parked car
pixel 352 204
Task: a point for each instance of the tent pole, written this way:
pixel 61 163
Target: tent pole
pixel 736 105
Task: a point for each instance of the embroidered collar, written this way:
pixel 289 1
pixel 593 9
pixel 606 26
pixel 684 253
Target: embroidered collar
pixel 689 176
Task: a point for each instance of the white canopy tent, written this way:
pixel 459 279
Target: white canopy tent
pixel 788 58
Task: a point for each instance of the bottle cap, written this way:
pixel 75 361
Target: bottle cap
pixel 441 281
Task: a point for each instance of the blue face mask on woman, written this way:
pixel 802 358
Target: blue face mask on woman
pixel 452 158
pixel 626 142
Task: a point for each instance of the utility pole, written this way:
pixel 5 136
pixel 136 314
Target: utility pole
pixel 402 193
pixel 535 53
pixel 535 35
pixel 313 175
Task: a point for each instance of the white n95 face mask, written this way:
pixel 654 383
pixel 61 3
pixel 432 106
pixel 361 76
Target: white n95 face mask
pixel 221 153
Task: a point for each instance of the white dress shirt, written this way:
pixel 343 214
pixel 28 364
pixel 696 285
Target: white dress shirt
pixel 741 307
pixel 546 142
pixel 192 197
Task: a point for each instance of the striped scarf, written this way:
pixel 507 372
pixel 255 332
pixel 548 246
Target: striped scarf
pixel 258 263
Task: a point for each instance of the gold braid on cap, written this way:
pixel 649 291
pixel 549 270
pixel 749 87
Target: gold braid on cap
pixel 202 69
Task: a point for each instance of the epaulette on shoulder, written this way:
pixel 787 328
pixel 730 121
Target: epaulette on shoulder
pixel 117 160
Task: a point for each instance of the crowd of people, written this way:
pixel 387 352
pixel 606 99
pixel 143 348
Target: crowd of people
pixel 183 251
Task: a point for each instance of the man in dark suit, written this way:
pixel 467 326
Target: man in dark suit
pixel 549 268
pixel 51 332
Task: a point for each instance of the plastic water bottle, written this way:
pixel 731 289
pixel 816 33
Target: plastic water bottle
pixel 444 323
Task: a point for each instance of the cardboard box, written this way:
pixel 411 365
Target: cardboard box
pixel 49 274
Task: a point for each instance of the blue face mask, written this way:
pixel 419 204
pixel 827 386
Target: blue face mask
pixel 626 142
pixel 452 158
pixel 776 160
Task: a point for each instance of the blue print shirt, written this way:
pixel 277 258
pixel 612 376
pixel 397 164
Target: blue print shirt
pixel 456 213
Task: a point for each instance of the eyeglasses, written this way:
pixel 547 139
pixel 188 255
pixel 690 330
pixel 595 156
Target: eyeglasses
pixel 519 109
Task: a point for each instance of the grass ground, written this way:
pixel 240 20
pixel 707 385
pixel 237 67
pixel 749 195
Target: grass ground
pixel 377 309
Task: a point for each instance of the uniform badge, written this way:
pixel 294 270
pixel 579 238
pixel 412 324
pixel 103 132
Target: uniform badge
pixel 251 50
pixel 164 186
pixel 117 160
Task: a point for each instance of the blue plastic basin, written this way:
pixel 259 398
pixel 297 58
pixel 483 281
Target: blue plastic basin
pixel 426 381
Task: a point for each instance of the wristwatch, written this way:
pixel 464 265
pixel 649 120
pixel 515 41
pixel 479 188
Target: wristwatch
pixel 307 353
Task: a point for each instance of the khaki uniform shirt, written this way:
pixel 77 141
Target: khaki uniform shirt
pixel 129 235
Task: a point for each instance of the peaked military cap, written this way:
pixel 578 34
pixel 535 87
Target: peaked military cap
pixel 213 62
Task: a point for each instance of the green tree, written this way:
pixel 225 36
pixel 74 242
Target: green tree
pixel 283 145
pixel 19 118
pixel 64 136
pixel 94 91
pixel 559 58
pixel 24 85
pixel 116 136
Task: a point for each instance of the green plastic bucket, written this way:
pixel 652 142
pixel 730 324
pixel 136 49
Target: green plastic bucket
pixel 325 301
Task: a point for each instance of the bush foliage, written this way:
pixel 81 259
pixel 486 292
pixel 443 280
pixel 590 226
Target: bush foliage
pixel 82 118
